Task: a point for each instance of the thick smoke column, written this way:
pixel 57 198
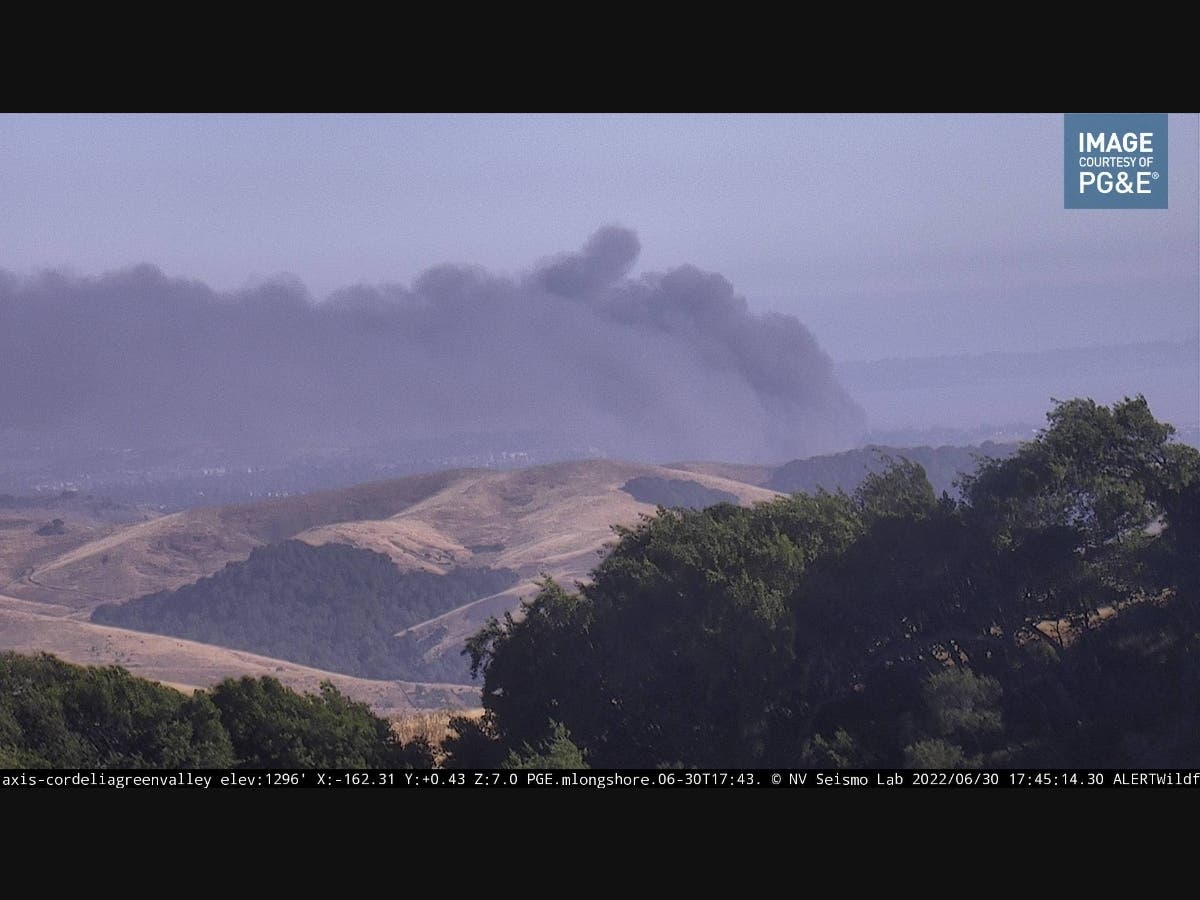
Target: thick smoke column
pixel 665 366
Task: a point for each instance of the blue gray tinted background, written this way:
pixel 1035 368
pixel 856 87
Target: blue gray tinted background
pixel 912 238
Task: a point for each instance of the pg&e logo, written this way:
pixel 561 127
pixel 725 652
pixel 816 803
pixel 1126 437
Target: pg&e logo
pixel 1115 161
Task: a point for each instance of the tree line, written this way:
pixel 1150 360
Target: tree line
pixel 1047 617
pixel 333 607
pixel 944 467
pixel 57 715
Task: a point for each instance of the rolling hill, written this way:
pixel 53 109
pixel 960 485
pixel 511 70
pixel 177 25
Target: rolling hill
pixel 552 520
pixel 845 471
pixel 32 627
pixel 61 558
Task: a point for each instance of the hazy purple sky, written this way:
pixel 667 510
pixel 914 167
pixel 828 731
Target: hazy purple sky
pixel 886 235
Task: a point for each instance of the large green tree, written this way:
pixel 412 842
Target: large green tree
pixel 57 715
pixel 679 648
pixel 272 727
pixel 887 627
pixel 54 714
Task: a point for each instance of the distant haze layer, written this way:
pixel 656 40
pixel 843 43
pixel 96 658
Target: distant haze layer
pixel 666 365
pixel 1016 388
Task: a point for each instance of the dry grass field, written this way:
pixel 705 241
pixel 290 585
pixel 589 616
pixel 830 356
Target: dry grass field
pixel 553 519
pixel 31 627
pixel 431 724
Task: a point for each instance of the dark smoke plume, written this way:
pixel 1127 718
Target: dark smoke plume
pixel 664 366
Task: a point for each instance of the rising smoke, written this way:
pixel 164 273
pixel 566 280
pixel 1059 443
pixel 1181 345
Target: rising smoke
pixel 664 366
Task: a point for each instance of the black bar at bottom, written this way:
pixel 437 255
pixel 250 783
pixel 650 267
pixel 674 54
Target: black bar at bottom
pixel 599 779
